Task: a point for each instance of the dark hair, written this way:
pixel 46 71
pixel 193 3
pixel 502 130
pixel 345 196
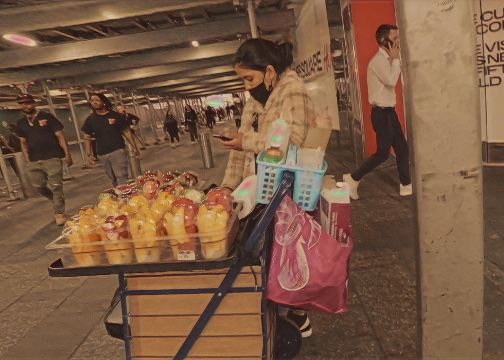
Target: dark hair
pixel 257 54
pixel 383 31
pixel 103 99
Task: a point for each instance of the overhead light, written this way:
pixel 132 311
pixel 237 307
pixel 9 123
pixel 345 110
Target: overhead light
pixel 109 15
pixel 19 39
pixel 195 43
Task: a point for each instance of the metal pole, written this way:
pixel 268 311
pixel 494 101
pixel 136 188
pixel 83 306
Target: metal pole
pixel 3 166
pixel 86 93
pixel 133 162
pixel 49 99
pixel 66 172
pixel 152 120
pixel 115 98
pixel 137 110
pixel 24 180
pixel 77 130
pixel 206 150
pixel 448 173
pixel 252 18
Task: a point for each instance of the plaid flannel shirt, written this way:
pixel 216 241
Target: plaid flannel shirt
pixel 288 101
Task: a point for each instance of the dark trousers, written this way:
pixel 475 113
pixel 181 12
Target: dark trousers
pixel 193 131
pixel 210 122
pixel 172 129
pixel 388 134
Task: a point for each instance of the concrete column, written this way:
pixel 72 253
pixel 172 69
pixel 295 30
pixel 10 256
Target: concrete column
pixel 443 117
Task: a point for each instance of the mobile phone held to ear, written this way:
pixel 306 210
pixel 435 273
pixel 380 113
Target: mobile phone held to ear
pixel 386 42
pixel 222 137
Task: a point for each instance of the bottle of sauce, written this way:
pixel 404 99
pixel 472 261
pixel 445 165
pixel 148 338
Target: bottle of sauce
pixel 273 154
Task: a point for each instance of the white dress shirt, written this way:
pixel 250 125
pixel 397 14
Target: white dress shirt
pixel 382 76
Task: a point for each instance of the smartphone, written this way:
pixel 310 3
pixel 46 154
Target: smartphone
pixel 223 138
pixel 387 43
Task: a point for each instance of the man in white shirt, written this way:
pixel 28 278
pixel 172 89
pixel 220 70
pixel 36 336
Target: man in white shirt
pixel 383 73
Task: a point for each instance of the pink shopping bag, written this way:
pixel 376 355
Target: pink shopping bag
pixel 309 268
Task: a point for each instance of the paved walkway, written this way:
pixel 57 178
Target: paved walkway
pixel 61 318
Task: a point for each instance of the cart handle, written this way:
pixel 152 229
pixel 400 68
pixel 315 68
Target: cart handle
pixel 269 213
pixel 234 270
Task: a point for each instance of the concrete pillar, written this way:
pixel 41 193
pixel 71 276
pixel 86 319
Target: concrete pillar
pixel 442 106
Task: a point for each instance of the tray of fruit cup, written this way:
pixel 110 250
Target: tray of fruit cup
pixel 158 218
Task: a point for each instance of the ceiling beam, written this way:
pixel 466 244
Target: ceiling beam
pixel 96 30
pixel 59 32
pixel 201 70
pixel 203 86
pixel 77 12
pixel 191 80
pixel 123 63
pixel 142 41
pixel 210 90
pixel 210 93
pixel 140 74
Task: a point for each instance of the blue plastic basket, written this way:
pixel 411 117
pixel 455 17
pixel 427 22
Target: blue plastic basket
pixel 307 183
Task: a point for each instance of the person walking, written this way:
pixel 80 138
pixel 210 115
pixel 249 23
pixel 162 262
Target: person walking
pixel 45 150
pixel 109 128
pixel 383 72
pixel 264 67
pixel 190 118
pixel 171 127
pixel 132 121
pixel 228 111
pixel 237 115
pixel 210 117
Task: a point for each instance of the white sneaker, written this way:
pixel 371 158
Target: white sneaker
pixel 405 190
pixel 352 186
pixel 172 145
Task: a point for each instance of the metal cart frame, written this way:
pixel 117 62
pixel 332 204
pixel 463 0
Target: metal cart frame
pixel 287 332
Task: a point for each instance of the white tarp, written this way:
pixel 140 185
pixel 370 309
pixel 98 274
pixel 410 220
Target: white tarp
pixel 313 59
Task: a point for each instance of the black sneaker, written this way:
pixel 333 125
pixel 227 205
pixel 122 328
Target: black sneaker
pixel 302 322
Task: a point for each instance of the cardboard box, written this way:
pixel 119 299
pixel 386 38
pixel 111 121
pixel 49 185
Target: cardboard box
pixel 333 211
pixel 317 137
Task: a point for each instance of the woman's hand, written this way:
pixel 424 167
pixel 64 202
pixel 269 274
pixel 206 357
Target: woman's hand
pixel 235 143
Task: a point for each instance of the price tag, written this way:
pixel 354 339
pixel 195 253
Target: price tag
pixel 186 255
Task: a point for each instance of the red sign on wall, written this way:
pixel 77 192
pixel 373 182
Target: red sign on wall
pixel 366 17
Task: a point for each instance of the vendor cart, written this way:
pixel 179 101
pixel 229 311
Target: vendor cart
pixel 202 309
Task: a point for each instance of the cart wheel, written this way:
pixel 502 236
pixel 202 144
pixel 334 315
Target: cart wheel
pixel 288 339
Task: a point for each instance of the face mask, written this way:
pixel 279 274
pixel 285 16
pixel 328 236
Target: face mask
pixel 260 93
